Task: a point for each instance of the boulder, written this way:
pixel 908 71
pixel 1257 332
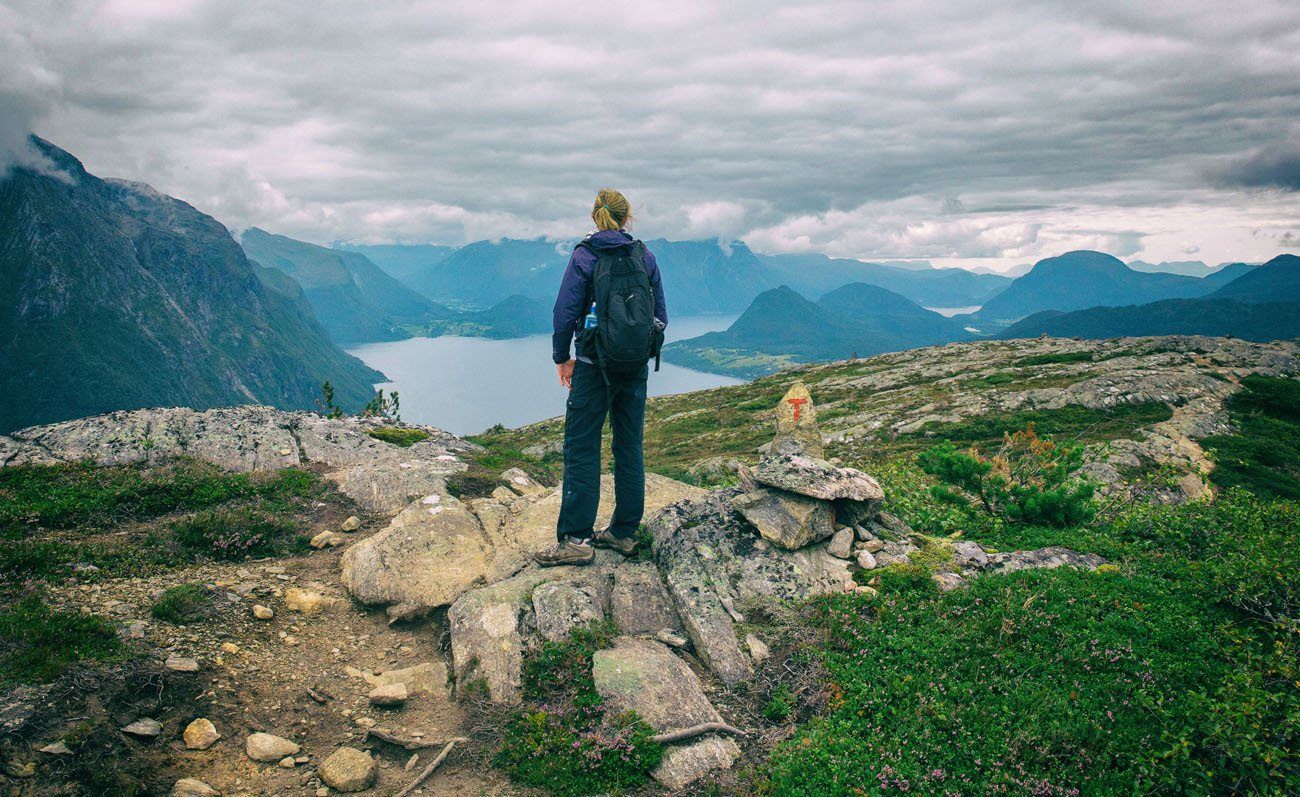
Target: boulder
pixel 438 548
pixel 786 519
pixel 200 734
pixel 487 628
pixel 429 554
pixel 352 523
pixel 327 539
pixel 796 424
pixel 841 545
pixel 1050 557
pixel 349 770
pixel 817 478
pixel 561 607
pixel 644 676
pixel 265 747
pixel 638 602
pixel 389 695
pixel 711 561
pixel 523 484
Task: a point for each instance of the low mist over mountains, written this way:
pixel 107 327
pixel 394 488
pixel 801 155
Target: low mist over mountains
pixel 115 296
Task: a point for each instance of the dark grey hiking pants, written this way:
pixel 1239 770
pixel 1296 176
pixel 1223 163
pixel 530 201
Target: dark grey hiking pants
pixel 590 400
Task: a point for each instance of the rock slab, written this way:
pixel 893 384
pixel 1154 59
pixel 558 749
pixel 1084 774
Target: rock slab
pixel 644 676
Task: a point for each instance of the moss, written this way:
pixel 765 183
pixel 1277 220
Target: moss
pixel 399 436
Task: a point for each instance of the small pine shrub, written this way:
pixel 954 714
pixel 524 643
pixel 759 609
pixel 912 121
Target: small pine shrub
pixel 1030 480
pixel 181 604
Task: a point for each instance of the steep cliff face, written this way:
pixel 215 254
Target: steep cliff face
pixel 115 296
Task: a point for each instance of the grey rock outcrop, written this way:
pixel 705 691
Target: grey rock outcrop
pixel 561 607
pixel 381 477
pixel 788 520
pixel 438 548
pixel 638 602
pixel 712 560
pixel 817 478
pixel 644 676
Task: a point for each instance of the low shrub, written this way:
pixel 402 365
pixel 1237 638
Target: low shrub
pixel 43 497
pixel 233 535
pixel 1263 456
pixel 1170 671
pixel 37 643
pixel 184 603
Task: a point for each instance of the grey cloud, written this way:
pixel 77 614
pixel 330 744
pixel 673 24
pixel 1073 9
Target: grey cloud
pixel 1274 166
pixel 840 125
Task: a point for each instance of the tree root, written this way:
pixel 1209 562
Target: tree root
pixel 668 737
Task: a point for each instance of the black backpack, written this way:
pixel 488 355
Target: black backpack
pixel 626 334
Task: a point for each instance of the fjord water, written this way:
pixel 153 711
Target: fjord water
pixel 465 385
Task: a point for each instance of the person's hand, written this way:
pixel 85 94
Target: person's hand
pixel 565 371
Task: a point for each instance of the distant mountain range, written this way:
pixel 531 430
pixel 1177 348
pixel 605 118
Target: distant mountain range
pixel 114 296
pixel 354 299
pixel 1215 317
pixel 401 260
pixel 1082 279
pixel 699 276
pixel 781 328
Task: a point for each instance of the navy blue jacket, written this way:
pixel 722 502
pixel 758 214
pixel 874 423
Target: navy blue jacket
pixel 570 309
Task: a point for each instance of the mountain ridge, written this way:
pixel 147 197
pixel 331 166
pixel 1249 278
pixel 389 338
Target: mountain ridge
pixel 118 296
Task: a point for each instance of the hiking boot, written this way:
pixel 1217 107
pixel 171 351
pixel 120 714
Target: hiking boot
pixel 607 539
pixel 565 553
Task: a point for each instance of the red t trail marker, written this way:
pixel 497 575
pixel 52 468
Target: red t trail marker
pixel 798 404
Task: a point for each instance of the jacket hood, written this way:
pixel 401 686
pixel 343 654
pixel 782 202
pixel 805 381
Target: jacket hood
pixel 609 239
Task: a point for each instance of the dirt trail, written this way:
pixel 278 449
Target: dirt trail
pixel 266 684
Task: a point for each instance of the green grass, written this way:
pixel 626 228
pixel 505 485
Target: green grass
pixel 399 436
pixel 1263 456
pixel 499 453
pixel 1072 421
pixel 38 644
pixel 1177 672
pixel 181 604
pixel 131 520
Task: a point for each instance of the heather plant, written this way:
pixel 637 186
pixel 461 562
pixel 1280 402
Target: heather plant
pixel 565 740
pixel 1030 479
pixel 233 535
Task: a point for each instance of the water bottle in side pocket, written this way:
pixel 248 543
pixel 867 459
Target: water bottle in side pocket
pixel 590 321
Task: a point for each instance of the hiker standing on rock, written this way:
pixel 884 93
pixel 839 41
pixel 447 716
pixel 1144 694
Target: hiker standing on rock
pixel 612 300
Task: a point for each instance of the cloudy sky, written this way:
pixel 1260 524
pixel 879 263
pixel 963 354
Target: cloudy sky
pixel 967 133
